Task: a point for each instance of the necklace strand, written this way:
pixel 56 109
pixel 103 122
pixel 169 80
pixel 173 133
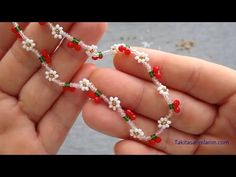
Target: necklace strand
pixel 89 88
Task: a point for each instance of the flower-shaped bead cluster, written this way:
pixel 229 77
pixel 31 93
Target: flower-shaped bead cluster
pixel 51 75
pixel 164 123
pixel 114 103
pixel 114 48
pixel 28 44
pixel 136 133
pixel 163 90
pixel 84 84
pixel 142 57
pixel 91 50
pixel 57 31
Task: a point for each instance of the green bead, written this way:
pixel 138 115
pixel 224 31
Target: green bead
pixel 153 136
pixel 126 118
pixel 100 54
pixel 18 28
pixel 151 73
pixel 75 40
pixel 98 93
pixel 171 106
pixel 67 84
pixel 42 60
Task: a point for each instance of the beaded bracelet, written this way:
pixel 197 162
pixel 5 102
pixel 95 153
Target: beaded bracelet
pixel 88 87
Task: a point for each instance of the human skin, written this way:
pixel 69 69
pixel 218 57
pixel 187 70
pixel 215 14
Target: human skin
pixel 207 92
pixel 35 115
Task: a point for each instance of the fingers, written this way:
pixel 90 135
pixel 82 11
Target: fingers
pixel 129 147
pixel 7 38
pixel 18 65
pixel 142 97
pixel 66 63
pixel 204 80
pixel 55 125
pixel 104 120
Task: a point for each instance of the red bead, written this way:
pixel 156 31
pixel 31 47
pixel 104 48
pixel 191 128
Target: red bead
pixel 177 109
pixel 16 32
pixel 70 44
pixel 176 103
pixel 158 75
pixel 77 47
pixel 127 51
pixel 46 56
pixel 91 94
pixel 128 112
pixel 157 140
pixel 42 23
pixel 155 69
pixel 13 29
pixel 97 100
pixel 95 57
pixel 133 117
pixel 151 142
pixel 121 48
pixel 71 89
pixel 100 56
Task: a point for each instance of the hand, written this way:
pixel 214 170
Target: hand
pixel 35 115
pixel 207 92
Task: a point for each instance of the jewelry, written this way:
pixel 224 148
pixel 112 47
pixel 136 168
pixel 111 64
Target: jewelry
pixel 89 88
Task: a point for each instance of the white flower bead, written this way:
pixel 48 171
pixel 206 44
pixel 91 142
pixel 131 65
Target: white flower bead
pixel 114 103
pixel 114 48
pixel 57 31
pixel 142 57
pixel 163 90
pixel 51 75
pixel 136 133
pixel 91 50
pixel 28 44
pixel 84 84
pixel 164 123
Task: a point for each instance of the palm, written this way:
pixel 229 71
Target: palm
pixel 35 115
pixel 208 97
pixel 19 134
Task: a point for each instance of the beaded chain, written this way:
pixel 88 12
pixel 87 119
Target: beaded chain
pixel 89 88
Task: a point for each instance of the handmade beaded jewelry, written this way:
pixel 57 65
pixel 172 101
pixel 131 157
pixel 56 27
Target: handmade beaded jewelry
pixel 88 87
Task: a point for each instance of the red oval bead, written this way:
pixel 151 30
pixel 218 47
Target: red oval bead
pixel 13 29
pixel 128 112
pixel 127 51
pixel 70 44
pixel 46 56
pixel 100 56
pixel 16 32
pixel 95 57
pixel 155 69
pixel 132 117
pixel 71 89
pixel 176 103
pixel 77 47
pixel 158 75
pixel 121 48
pixel 157 140
pixel 177 109
pixel 91 94
pixel 97 100
pixel 151 142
